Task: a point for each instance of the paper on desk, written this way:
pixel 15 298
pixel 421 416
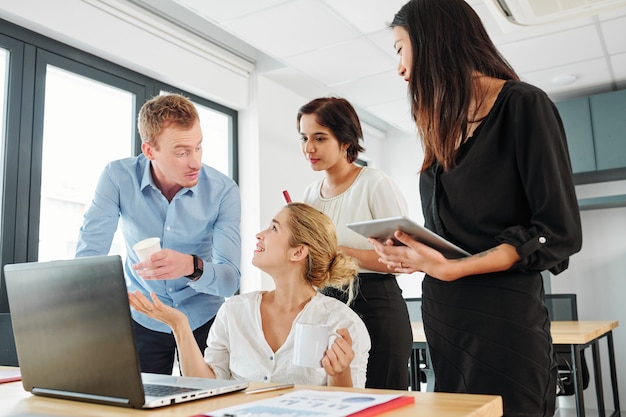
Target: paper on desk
pixel 315 403
pixel 10 375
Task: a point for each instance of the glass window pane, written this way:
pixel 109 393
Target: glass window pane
pixel 215 138
pixel 86 125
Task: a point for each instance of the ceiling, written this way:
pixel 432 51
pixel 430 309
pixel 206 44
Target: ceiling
pixel 345 48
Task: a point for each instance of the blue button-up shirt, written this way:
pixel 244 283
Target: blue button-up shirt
pixel 203 220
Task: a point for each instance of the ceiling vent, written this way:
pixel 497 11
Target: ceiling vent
pixel 534 12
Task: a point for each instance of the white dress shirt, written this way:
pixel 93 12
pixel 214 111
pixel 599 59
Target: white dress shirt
pixel 237 348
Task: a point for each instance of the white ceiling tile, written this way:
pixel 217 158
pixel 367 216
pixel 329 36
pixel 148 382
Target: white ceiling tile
pixel 367 16
pixel 298 82
pixel 557 49
pixel 384 40
pixel 591 74
pixel 343 62
pixel 614 32
pixel 221 11
pixel 379 88
pixel 291 28
pixel 612 13
pixel 618 62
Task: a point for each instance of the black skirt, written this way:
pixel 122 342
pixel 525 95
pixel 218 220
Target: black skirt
pixel 490 334
pixel 382 308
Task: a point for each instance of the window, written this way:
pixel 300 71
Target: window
pixel 86 125
pixel 215 127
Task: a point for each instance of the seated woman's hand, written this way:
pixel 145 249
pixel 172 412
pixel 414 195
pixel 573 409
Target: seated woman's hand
pixel 337 360
pixel 156 309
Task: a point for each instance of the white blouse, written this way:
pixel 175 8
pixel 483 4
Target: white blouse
pixel 237 349
pixel 372 195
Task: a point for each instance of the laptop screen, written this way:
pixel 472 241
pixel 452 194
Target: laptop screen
pixel 73 329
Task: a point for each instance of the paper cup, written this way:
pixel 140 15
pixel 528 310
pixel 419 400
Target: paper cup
pixel 147 247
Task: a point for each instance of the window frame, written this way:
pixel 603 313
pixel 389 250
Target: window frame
pixel 29 55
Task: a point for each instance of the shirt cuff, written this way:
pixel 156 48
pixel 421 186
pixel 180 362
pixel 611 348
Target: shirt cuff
pixel 526 242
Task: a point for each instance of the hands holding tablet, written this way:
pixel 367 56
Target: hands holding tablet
pixel 406 247
pixel 411 256
pixel 414 256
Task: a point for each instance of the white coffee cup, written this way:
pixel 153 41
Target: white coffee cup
pixel 147 247
pixel 311 341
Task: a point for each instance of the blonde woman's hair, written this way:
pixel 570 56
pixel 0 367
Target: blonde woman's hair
pixel 161 111
pixel 326 266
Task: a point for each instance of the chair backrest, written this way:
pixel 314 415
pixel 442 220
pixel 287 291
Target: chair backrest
pixel 414 305
pixel 562 307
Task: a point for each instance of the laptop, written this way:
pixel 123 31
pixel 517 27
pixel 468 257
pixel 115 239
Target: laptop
pixel 74 337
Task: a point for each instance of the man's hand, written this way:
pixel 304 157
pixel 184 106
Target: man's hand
pixel 165 264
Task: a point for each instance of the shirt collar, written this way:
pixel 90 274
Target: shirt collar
pixel 147 180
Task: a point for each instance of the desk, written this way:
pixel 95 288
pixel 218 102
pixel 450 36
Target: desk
pixel 577 335
pixel 15 401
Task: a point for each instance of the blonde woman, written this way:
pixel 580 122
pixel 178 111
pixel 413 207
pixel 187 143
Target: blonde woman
pixel 252 338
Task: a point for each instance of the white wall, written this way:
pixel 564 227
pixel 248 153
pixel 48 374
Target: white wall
pixel 272 163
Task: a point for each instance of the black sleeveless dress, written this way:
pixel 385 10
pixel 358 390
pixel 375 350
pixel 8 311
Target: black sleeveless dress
pixel 490 333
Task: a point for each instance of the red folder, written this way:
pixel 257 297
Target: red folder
pixel 381 408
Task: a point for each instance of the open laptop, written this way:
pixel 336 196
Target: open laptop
pixel 74 337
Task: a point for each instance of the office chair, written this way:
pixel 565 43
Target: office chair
pixel 420 366
pixel 563 307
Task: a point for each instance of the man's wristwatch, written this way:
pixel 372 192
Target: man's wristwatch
pixel 198 268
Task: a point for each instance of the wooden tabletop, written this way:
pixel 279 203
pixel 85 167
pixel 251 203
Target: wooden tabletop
pixel 579 332
pixel 563 332
pixel 15 401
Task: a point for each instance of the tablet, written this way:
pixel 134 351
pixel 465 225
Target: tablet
pixel 383 229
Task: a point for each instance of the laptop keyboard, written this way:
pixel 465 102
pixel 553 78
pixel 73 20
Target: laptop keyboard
pixel 155 390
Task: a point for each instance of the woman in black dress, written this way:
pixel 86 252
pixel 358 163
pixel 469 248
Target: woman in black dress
pixel 496 180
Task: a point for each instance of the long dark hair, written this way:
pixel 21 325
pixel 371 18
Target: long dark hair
pixel 340 117
pixel 449 43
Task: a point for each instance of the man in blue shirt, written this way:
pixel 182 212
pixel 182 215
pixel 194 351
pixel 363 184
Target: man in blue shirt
pixel 195 210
